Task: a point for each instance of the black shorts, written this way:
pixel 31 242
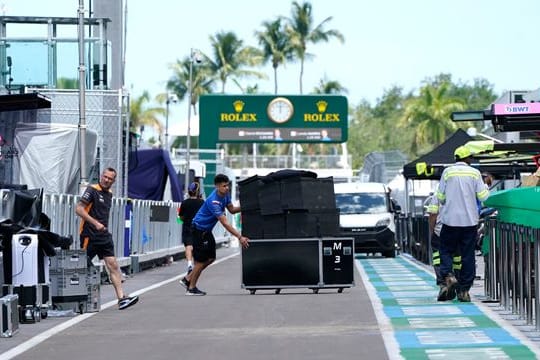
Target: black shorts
pixel 101 245
pixel 187 238
pixel 204 245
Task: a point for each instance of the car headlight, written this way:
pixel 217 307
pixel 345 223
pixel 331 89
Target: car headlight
pixel 383 223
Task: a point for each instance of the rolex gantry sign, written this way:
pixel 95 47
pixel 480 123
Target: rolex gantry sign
pixel 273 118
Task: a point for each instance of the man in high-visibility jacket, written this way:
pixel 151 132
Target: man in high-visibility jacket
pixel 435 225
pixel 460 187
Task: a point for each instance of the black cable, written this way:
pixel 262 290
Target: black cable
pixel 22 261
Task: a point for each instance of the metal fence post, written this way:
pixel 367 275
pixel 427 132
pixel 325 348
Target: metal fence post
pixel 536 279
pixel 519 271
pixel 528 274
pixel 513 271
pixel 505 268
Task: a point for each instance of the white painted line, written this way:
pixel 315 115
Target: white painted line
pixel 164 282
pixel 452 337
pixel 387 330
pixel 30 343
pixel 431 310
pixel 441 322
pixel 467 353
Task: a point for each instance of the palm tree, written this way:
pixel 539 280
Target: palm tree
pixel 302 31
pixel 430 115
pixel 141 115
pixel 230 58
pixel 201 80
pixel 275 45
pixel 329 87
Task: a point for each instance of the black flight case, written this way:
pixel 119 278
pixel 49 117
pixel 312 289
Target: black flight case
pixel 314 263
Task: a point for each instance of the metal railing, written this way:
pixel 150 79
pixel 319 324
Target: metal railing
pixel 412 235
pixel 511 265
pixel 511 262
pixel 136 231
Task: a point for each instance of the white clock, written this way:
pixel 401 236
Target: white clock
pixel 280 110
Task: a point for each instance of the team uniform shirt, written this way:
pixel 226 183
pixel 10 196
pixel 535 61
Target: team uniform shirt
pixel 97 204
pixel 213 207
pixel 460 187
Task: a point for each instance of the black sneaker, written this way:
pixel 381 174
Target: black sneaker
pixel 195 292
pixel 185 283
pixel 127 301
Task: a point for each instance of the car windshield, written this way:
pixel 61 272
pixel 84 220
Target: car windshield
pixel 367 203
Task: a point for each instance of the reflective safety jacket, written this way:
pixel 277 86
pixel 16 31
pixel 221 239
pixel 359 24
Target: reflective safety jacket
pixel 460 188
pixel 433 208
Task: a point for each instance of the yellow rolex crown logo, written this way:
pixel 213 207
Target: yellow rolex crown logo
pixel 238 106
pixel 321 106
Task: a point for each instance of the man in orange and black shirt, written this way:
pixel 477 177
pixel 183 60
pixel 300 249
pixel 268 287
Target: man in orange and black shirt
pixel 94 209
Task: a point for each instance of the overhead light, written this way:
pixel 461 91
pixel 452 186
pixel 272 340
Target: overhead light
pixel 468 116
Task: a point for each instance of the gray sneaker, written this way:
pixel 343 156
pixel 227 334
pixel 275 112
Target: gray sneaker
pixel 448 289
pixel 464 296
pixel 195 292
pixel 442 293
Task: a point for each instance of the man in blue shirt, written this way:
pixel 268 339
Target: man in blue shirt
pixel 204 243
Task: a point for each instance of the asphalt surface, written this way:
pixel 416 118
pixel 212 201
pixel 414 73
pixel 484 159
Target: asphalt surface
pixel 228 323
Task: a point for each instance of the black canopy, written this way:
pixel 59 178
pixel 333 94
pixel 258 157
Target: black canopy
pixel 517 159
pixel 438 157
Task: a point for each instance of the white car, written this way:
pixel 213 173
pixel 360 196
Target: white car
pixel 367 215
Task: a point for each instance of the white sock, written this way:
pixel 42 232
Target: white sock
pixel 190 264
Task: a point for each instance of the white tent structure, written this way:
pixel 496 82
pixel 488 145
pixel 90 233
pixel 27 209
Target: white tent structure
pixel 49 156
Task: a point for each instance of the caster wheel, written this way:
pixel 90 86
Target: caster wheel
pixel 44 314
pixel 252 291
pixel 315 291
pixel 36 313
pixel 340 290
pixel 278 291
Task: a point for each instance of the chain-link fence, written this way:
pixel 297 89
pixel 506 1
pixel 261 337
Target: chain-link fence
pixel 382 166
pixel 106 114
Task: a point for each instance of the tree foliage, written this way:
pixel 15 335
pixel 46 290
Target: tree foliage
pixel 413 121
pixel 303 31
pixel 275 45
pixel 231 59
pixel 142 114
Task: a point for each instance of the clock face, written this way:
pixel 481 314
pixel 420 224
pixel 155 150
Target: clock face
pixel 280 110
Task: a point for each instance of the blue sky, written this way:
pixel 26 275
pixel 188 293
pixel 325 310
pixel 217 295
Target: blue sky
pixel 387 42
